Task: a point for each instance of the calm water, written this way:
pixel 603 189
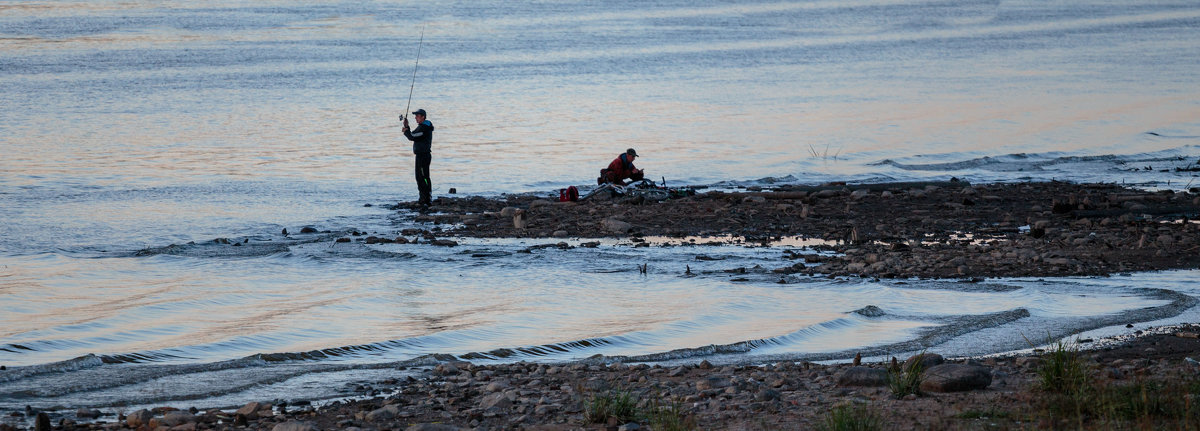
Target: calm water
pixel 133 126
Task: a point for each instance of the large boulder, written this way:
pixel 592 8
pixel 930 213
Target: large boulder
pixel 862 376
pixel 177 418
pixel 926 360
pixel 956 378
pixel 384 413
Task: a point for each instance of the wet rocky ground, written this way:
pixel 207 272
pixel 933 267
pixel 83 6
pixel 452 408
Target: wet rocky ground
pixel 899 230
pixel 955 393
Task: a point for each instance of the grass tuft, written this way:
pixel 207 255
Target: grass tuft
pixel 851 418
pixel 669 417
pixel 619 405
pixel 904 381
pixel 1062 370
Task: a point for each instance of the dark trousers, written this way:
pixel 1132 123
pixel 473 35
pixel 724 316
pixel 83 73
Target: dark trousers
pixel 424 185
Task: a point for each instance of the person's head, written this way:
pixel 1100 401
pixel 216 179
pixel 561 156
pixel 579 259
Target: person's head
pixel 630 154
pixel 419 114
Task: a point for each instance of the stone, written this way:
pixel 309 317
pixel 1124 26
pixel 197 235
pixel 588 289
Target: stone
pixel 295 426
pixel 42 423
pixel 956 378
pixel 927 360
pixel 616 226
pixel 497 386
pixel 177 418
pixel 138 418
pixel 446 368
pixel 497 400
pixel 250 410
pixel 384 413
pixel 84 413
pixel 713 383
pixel 767 395
pixel 862 376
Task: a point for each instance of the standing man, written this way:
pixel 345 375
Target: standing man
pixel 422 139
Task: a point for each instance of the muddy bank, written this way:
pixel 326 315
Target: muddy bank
pixel 936 230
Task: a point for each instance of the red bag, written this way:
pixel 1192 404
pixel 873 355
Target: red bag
pixel 569 194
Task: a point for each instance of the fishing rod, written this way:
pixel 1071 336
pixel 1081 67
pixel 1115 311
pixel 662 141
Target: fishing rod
pixel 414 78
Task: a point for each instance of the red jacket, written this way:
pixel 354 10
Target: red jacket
pixel 619 170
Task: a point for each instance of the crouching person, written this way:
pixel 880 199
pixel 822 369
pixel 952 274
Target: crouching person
pixel 621 169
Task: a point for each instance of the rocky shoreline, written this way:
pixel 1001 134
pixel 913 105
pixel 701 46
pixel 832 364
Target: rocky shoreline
pixel 952 393
pixel 899 230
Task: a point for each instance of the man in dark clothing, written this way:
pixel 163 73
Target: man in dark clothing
pixel 422 139
pixel 621 169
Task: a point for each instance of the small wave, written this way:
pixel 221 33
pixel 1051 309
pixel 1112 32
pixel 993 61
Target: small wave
pixel 1010 163
pixel 75 364
pixel 539 351
pixel 928 337
pixel 1022 162
pixel 1169 136
pixel 765 181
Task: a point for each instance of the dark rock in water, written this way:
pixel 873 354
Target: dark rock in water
pixel 870 311
pixel 343 240
pixel 367 205
pixel 285 231
pixel 956 378
pixel 444 242
pixel 308 229
pixel 453 190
